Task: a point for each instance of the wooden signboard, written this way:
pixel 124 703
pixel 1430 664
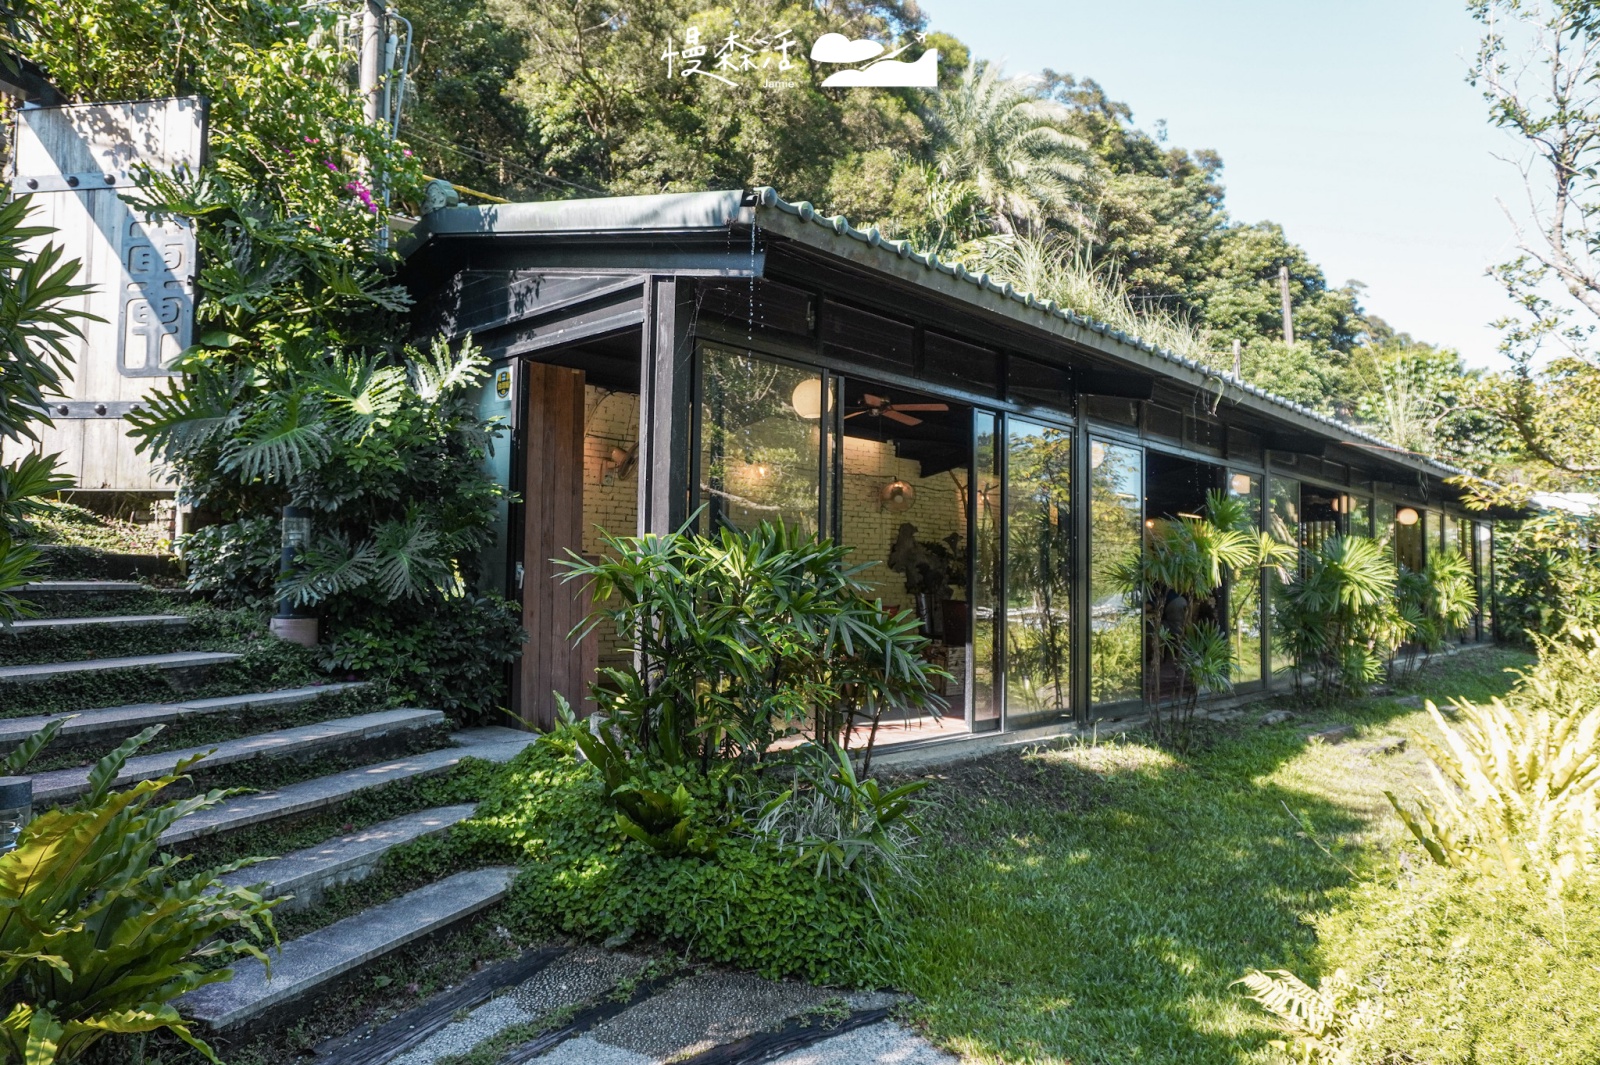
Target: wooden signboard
pixel 77 161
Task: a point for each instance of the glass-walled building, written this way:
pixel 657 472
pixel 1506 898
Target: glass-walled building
pixel 997 465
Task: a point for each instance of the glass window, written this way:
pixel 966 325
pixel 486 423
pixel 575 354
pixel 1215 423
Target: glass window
pixel 1321 516
pixel 1283 522
pixel 986 570
pixel 1482 535
pixel 1038 572
pixel 1360 508
pixel 1383 522
pixel 1410 536
pixel 1116 540
pixel 760 440
pixel 1449 532
pixel 1244 595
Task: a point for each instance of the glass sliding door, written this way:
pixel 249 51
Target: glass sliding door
pixel 1116 541
pixel 1283 522
pixel 761 441
pixel 1038 581
pixel 1244 595
pixel 988 504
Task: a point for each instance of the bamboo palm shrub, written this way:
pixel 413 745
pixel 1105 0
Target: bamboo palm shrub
pixel 35 329
pixel 741 638
pixel 1339 621
pixel 1185 563
pixel 99 933
pixel 1436 602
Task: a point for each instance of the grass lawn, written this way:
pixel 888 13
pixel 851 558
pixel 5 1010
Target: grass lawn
pixel 1094 903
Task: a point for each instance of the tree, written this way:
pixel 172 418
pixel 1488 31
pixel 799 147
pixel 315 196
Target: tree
pixel 1423 398
pixel 1004 138
pixel 1538 66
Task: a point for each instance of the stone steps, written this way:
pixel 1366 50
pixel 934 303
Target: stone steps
pixel 308 796
pixel 119 722
pixel 304 875
pixel 65 784
pixel 126 621
pixel 91 587
pixel 310 966
pixel 175 662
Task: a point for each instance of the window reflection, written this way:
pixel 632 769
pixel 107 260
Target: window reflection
pixel 1116 537
pixel 1283 522
pixel 1244 595
pixel 760 441
pixel 1038 571
pixel 986 570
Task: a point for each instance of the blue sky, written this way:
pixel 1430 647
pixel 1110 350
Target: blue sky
pixel 1349 122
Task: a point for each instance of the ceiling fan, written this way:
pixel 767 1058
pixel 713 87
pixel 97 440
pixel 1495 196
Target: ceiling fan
pixel 884 407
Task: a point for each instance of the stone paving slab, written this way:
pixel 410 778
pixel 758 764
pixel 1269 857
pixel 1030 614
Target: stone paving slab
pixel 585 1050
pixel 886 1043
pixel 45 671
pixel 128 720
pixel 305 965
pixel 308 795
pixel 584 974
pixel 705 1011
pixel 305 874
pixel 126 621
pixel 64 784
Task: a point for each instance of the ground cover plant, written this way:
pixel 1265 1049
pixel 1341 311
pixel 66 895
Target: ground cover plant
pixel 1097 902
pixel 713 803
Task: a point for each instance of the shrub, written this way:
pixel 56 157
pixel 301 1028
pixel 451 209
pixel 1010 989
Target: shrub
pixel 745 901
pixel 448 652
pixel 234 563
pixel 1518 788
pixel 1339 621
pixel 1547 575
pixel 740 638
pixel 99 933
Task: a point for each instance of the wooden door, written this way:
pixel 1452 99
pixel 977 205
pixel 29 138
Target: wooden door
pixel 553 525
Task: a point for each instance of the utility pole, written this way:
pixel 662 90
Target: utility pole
pixel 1288 308
pixel 372 44
pixel 1238 360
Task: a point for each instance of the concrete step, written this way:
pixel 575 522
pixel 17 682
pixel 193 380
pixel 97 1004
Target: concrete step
pixel 90 587
pixel 310 965
pixel 305 874
pixel 308 796
pixel 175 662
pixel 127 621
pixel 62 785
pixel 119 722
